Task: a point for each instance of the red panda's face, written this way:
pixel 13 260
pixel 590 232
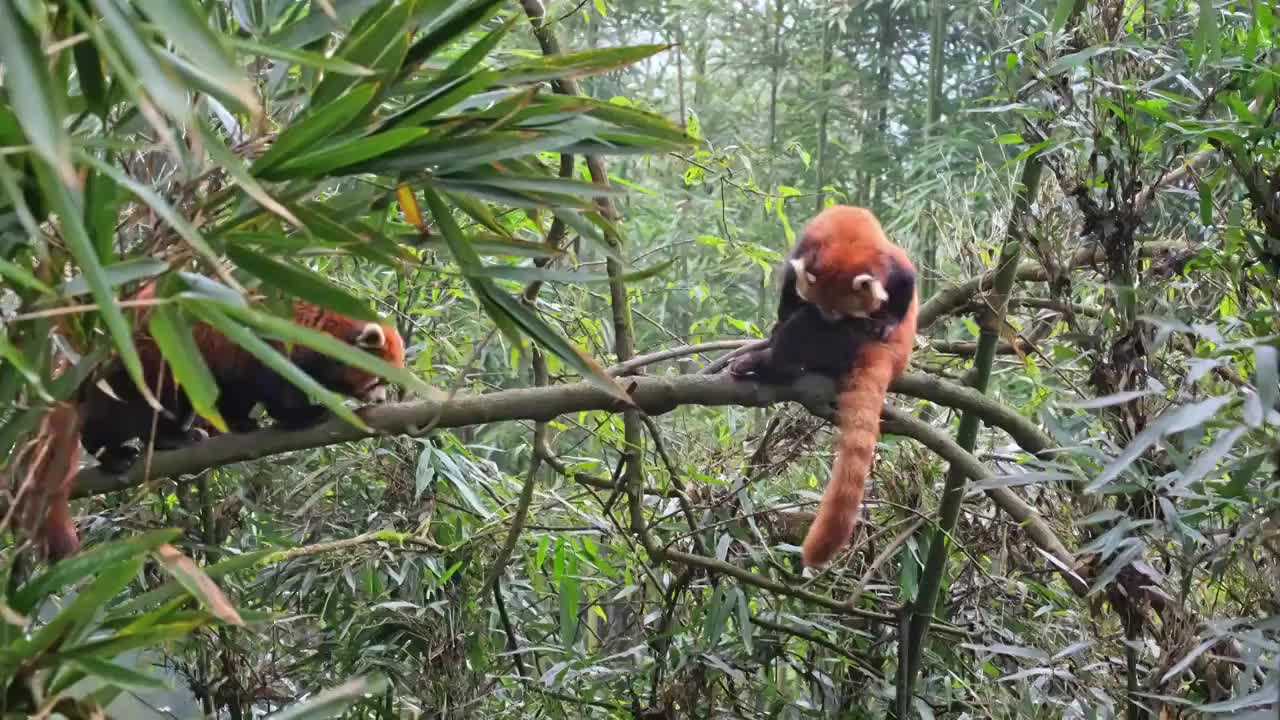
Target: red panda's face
pixel 383 341
pixel 837 296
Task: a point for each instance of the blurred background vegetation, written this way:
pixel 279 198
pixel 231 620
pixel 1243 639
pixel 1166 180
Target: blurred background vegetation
pixel 440 161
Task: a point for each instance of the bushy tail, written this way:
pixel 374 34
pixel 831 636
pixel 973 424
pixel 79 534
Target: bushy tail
pixel 48 469
pixel 858 417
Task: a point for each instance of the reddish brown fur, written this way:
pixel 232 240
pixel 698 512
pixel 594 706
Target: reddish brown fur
pixel 103 423
pixel 847 242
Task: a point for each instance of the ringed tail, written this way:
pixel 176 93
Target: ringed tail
pixel 858 418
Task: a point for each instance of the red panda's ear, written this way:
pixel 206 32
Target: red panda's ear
pixel 372 337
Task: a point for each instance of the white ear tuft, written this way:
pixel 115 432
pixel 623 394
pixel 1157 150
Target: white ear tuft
pixel 865 281
pixel 798 265
pixel 371 337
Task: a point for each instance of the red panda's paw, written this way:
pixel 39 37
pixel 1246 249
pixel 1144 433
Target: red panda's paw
pixel 749 365
pixel 117 460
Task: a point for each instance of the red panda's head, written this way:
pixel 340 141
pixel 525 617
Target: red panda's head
pixel 377 338
pixel 383 340
pixel 840 262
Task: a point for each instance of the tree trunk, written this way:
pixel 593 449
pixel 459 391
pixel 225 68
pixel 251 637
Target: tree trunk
pixel 824 104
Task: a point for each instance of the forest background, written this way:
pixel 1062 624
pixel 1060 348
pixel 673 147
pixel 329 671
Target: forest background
pixel 1076 508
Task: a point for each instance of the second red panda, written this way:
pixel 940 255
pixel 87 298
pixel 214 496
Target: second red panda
pixel 111 413
pixel 848 311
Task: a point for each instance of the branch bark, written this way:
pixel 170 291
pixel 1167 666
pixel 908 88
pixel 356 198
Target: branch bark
pixel 653 395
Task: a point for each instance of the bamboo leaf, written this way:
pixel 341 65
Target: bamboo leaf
pixel 116 275
pixel 156 75
pixel 1172 421
pixel 509 313
pixel 234 165
pixel 81 248
pixel 300 282
pixel 335 156
pixel 188 29
pixel 451 25
pixel 332 702
pixel 172 334
pixel 301 57
pixel 198 584
pixel 368 42
pixel 118 675
pixel 580 64
pixel 317 125
pixel 185 230
pixel 39 106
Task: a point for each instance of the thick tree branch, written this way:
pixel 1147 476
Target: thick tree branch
pixel 653 395
pixel 952 299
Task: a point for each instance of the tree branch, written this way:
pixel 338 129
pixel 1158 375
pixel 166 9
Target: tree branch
pixel 948 301
pixel 653 395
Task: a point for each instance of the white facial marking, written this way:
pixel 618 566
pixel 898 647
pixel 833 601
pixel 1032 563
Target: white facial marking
pixel 371 337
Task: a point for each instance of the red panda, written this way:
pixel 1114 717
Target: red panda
pixel 847 311
pixel 111 412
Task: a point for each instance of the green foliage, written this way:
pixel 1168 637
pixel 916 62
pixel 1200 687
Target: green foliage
pixel 402 157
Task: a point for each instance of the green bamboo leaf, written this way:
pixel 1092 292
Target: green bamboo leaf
pixel 18 362
pixel 566 565
pixel 477 53
pixel 326 344
pixel 316 25
pixel 451 25
pixel 1170 422
pixel 187 28
pixel 442 98
pixel 300 282
pixel 116 275
pixel 487 245
pixel 101 209
pixel 530 274
pixel 336 156
pixel 272 359
pixel 301 57
pixel 483 214
pixel 580 64
pixel 234 165
pixel 93 85
pixel 318 124
pixel 19 275
pixel 507 312
pixel 123 642
pixel 369 42
pixel 76 615
pixel 156 76
pixel 172 333
pixel 321 224
pixel 37 103
pixel 81 248
pixel 185 230
pixel 72 570
pixel 451 155
pixel 118 675
pixel 334 701
pixel 546 184
pixel 171 590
